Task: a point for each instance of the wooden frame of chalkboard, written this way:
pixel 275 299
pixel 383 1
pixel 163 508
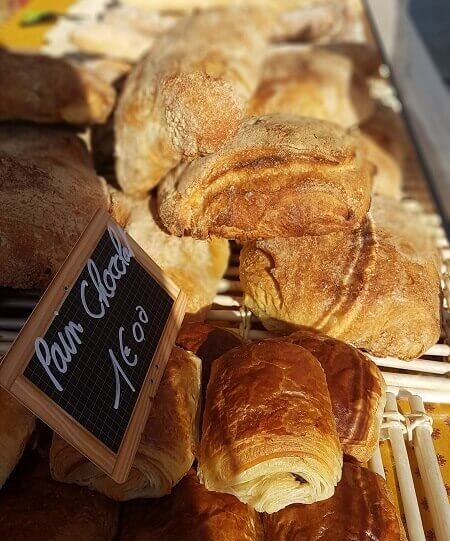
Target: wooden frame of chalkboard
pixel 116 464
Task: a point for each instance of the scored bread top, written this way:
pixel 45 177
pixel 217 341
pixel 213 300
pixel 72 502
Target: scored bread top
pixel 280 175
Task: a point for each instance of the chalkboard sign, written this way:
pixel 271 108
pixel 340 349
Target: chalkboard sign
pixel 91 355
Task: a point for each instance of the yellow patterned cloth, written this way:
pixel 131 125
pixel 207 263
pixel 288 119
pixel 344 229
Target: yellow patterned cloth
pixel 31 37
pixel 440 414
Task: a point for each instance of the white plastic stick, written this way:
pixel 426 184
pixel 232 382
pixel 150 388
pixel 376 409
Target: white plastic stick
pixel 229 285
pixel 431 474
pixel 439 350
pixel 224 315
pixel 436 383
pixel 428 395
pixel 226 300
pixel 404 475
pixel 418 365
pixel 27 303
pixel 376 463
pixel 12 323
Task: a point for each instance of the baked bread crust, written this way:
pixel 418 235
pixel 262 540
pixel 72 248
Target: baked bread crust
pixel 16 426
pixel 357 391
pixel 33 506
pixel 377 288
pixel 269 435
pixel 43 89
pixel 208 343
pixel 188 95
pixel 280 175
pixel 49 192
pixel 167 447
pixel 195 266
pixel 313 82
pixel 361 508
pixel 191 512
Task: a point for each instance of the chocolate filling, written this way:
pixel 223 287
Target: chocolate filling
pixel 298 478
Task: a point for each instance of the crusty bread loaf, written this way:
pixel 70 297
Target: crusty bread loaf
pixel 191 513
pixel 314 82
pixel 50 90
pixel 361 509
pixel 187 96
pixel 167 446
pixel 377 287
pixel 195 266
pixel 269 435
pixel 280 175
pixel 16 426
pixel 48 194
pixel 387 145
pixel 33 506
pixel 357 391
pixel 388 178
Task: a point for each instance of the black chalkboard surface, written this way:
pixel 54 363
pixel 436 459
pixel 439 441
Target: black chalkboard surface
pixel 97 340
pixel 100 386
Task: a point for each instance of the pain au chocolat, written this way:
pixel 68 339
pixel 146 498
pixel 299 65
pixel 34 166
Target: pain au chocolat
pixel 360 509
pixel 357 391
pixel 166 449
pixel 208 342
pixel 269 435
pixel 280 175
pixel 191 512
pixel 33 506
pixel 376 287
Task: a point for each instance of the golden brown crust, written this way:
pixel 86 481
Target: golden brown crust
pixel 191 512
pixel 311 20
pixel 377 288
pixel 49 192
pixel 365 58
pixel 33 506
pixel 313 82
pixel 388 178
pixel 195 266
pixel 280 175
pixel 361 508
pixel 187 96
pixel 50 90
pixel 208 343
pixel 269 436
pixel 16 426
pixel 167 447
pixel 357 391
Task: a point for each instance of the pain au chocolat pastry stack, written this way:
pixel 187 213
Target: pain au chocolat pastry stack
pixel 268 435
pixel 166 450
pixel 360 509
pixel 34 506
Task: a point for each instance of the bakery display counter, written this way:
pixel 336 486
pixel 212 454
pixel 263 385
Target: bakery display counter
pixel 263 157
